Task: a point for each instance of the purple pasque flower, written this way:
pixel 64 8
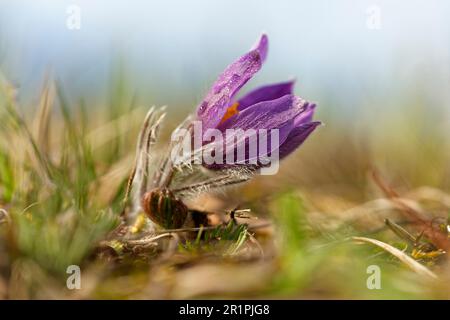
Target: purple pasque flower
pixel 268 107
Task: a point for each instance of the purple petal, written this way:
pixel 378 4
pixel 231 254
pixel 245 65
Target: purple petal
pixel 306 116
pixel 214 106
pixel 294 140
pixel 297 136
pixel 265 93
pixel 276 114
pixel 272 114
pixel 262 46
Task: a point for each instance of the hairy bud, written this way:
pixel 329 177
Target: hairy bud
pixel 163 208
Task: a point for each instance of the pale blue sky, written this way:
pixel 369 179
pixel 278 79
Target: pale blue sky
pixel 174 49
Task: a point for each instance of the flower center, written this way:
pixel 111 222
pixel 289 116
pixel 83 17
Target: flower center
pixel 231 111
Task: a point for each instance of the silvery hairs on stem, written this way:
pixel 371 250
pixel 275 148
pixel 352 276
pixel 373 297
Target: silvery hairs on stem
pixel 182 176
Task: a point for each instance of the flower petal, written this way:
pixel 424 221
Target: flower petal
pixel 265 93
pixel 268 115
pixel 294 140
pixel 297 136
pixel 306 116
pixel 277 114
pixel 214 106
pixel 262 46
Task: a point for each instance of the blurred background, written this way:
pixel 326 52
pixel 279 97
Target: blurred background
pixel 379 70
pixel 351 51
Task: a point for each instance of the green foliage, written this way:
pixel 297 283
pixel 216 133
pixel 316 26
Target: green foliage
pixel 56 218
pixel 7 184
pixel 224 239
pixel 297 263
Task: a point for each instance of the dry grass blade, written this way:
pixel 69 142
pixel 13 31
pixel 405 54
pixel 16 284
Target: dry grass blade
pixel 39 158
pixel 403 257
pixel 439 239
pixel 138 152
pixel 4 216
pixel 138 181
pixel 109 131
pixel 107 185
pixel 147 240
pixel 43 117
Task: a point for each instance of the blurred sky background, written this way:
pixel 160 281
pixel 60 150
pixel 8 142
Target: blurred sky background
pixel 172 50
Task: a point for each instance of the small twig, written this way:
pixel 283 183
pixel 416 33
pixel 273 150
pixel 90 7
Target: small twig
pixel 260 226
pixel 400 232
pixel 241 214
pixel 147 240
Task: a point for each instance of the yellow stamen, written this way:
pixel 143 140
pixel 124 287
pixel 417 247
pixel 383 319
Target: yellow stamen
pixel 231 111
